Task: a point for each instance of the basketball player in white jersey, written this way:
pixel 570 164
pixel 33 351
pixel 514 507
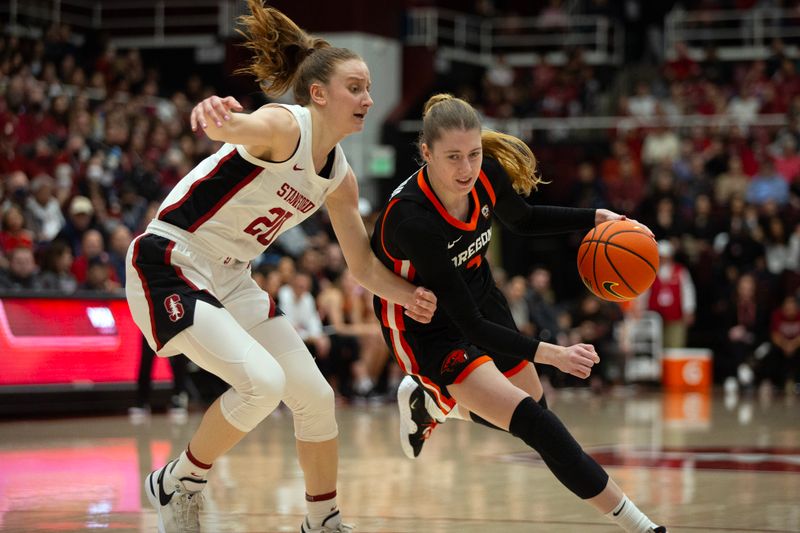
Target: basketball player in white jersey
pixel 189 285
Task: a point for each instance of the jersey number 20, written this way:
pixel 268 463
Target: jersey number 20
pixel 267 228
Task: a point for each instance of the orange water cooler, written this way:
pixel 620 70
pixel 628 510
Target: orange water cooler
pixel 686 369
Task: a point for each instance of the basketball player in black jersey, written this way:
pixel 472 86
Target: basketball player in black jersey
pixel 470 360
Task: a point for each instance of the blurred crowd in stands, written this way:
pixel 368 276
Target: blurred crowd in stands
pixel 90 143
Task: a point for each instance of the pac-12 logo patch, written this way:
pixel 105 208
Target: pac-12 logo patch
pixel 485 211
pixel 174 307
pixel 453 360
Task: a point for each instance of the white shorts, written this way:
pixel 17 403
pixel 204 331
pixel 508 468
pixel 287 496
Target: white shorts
pixel 165 277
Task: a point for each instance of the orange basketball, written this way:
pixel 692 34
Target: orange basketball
pixel 618 260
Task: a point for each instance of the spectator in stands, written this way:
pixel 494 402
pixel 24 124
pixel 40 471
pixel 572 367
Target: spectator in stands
pixel 118 242
pixel 547 320
pixel 738 246
pixel 56 272
pixel 500 74
pixel 268 278
pixel 335 264
pixel 358 352
pixel 787 162
pixel 81 212
pixel 781 366
pixel 132 207
pixel 626 191
pixel 745 326
pixel 700 231
pixel 43 209
pixel 666 223
pixel 516 290
pixel 682 67
pixel 593 323
pixel 99 276
pixel 287 269
pixel 22 272
pixel 776 246
pixel 643 104
pixel 588 190
pixel 694 182
pixel 661 145
pixel 92 247
pixel 767 186
pixel 13 233
pixel 298 304
pixel 312 262
pixel 744 107
pixel 672 296
pixel 715 69
pixel 731 183
pixel 776 57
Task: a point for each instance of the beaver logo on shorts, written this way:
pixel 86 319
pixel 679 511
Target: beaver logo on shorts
pixel 174 307
pixel 453 359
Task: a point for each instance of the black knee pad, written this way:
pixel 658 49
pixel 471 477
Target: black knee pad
pixel 482 421
pixel 542 430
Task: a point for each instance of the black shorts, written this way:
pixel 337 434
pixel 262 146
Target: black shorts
pixel 442 358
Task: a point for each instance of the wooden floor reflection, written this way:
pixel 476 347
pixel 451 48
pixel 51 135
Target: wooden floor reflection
pixel 697 463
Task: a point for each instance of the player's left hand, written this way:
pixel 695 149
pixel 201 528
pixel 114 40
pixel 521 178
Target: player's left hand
pixel 422 306
pixel 604 215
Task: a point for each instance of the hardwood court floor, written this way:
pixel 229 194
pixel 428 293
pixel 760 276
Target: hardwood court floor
pixel 696 463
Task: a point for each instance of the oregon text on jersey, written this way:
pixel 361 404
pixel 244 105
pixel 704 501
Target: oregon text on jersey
pixel 475 247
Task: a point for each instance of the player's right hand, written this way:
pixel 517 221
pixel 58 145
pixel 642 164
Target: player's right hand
pixel 422 307
pixel 577 360
pixel 213 109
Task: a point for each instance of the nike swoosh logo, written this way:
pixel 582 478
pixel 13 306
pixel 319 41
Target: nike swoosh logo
pixel 295 167
pixel 451 244
pixel 413 403
pixel 163 497
pixel 620 509
pixel 609 286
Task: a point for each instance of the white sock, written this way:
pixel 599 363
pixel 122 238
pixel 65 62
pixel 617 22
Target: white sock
pixel 189 466
pixel 320 507
pixel 629 517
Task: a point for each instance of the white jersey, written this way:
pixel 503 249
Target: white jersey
pixel 235 205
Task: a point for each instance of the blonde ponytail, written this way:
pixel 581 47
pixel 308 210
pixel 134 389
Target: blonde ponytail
pixel 515 156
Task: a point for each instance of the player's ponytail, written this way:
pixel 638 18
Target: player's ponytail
pixel 286 56
pixel 446 112
pixel 515 156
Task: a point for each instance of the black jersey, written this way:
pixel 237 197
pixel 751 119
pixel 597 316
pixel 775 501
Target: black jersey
pixel 419 240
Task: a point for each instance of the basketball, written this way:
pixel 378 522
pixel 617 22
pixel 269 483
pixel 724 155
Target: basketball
pixel 618 260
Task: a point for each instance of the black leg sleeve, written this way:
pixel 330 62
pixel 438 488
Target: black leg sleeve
pixel 543 431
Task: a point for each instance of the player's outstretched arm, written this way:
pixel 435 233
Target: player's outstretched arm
pixel 221 120
pixel 419 303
